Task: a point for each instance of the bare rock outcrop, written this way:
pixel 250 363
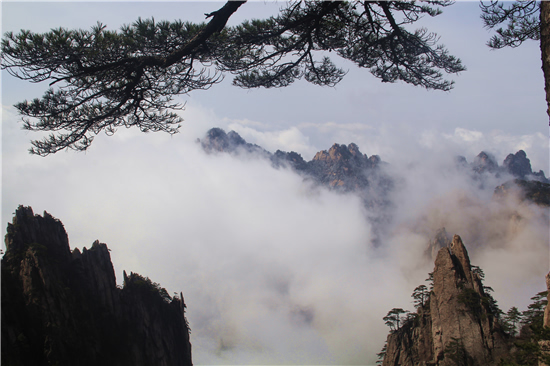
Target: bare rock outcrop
pixel 456 325
pixel 344 167
pixel 65 308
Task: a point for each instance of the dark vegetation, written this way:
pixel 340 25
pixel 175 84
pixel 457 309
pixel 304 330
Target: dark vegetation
pixel 526 346
pixel 101 80
pixel 144 285
pixel 64 308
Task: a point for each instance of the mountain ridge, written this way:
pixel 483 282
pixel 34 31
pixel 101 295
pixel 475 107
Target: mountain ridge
pixel 330 167
pixel 63 307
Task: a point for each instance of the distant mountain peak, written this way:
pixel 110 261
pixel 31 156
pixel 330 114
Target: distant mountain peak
pixel 485 162
pixel 217 140
pixel 518 164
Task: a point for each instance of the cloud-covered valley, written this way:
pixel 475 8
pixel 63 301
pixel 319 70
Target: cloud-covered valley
pixel 275 269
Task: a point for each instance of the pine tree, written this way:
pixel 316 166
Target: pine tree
pixel 420 296
pixel 511 320
pixel 101 80
pixel 393 319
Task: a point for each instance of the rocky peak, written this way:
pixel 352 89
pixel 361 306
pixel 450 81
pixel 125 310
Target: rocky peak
pixel 65 308
pixel 343 167
pixel 375 160
pixel 457 320
pixel 27 228
pixel 459 311
pixel 485 162
pixel 339 153
pixel 458 251
pixel 518 164
pixel 460 161
pixel 292 158
pixel 216 140
pixel 354 150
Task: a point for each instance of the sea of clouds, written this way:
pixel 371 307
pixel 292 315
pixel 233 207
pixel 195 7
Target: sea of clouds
pixel 273 269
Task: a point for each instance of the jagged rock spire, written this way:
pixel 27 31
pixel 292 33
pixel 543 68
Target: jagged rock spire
pixel 456 315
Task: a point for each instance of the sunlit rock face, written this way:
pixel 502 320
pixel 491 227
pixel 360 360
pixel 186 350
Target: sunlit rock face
pixel 456 321
pixel 62 307
pixel 344 167
pixel 458 309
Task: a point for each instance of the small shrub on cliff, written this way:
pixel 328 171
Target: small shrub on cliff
pixel 145 283
pixel 382 354
pixel 430 280
pixel 420 296
pixel 393 319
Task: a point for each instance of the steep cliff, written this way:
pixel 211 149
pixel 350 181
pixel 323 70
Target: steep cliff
pixel 456 325
pixel 64 308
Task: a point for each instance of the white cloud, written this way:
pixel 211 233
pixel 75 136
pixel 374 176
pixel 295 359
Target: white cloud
pixel 501 144
pixel 272 270
pixel 467 135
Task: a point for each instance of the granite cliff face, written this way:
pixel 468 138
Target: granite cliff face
pixel 64 308
pixel 456 325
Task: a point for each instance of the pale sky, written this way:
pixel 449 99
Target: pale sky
pixel 253 248
pixel 501 93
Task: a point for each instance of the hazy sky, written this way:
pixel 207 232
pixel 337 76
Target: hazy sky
pixel 273 270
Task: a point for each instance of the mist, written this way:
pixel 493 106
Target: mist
pixel 273 269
